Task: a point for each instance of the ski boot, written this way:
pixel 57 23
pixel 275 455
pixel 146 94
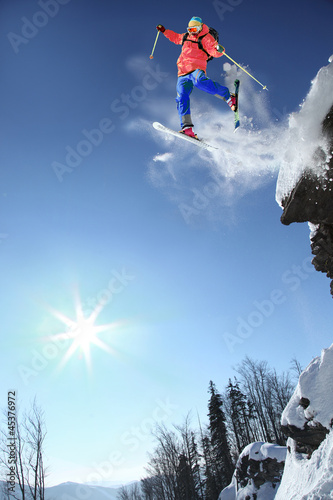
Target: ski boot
pixel 189 132
pixel 232 102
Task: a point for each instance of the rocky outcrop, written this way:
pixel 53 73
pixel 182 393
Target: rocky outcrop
pixel 322 249
pixel 268 470
pixel 311 200
pixel 307 439
pixel 258 473
pixel 308 420
pixel 310 436
pixel 308 417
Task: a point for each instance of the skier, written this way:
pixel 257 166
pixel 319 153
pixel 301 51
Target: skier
pixel 192 64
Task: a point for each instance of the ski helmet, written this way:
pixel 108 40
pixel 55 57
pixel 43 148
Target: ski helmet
pixel 195 25
pixel 195 21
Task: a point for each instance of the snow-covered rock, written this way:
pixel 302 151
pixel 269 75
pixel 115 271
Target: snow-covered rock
pixel 309 414
pixel 305 135
pixel 308 479
pixel 258 473
pixel 308 417
pixel 305 183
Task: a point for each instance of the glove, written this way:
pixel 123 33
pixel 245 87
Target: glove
pixel 220 49
pixel 160 27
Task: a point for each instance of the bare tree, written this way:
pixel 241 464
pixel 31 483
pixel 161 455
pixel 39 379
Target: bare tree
pixel 269 394
pixel 254 380
pixel 131 492
pixel 164 462
pixel 123 494
pixel 29 466
pixel 35 433
pixel 296 367
pixel 148 487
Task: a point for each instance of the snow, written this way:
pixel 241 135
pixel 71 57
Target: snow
pixel 255 451
pixel 304 134
pixel 264 148
pixel 308 479
pixel 265 492
pixel 313 229
pixel 303 478
pixel 71 491
pixel 261 451
pixel 315 384
pixel 311 478
pixel 243 162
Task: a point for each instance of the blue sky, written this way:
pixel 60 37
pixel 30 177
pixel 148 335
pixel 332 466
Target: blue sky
pixel 110 230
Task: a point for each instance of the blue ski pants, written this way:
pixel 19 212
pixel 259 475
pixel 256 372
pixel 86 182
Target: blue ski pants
pixel 185 85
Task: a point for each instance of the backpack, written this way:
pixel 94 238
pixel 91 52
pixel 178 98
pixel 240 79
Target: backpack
pixel 212 32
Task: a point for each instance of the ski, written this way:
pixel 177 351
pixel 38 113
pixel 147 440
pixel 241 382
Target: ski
pixel 197 142
pixel 237 123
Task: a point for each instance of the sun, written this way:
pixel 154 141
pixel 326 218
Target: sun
pixel 82 333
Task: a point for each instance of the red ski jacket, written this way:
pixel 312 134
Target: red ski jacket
pixel 192 57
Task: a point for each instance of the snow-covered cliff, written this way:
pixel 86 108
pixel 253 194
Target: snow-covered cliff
pixel 305 183
pixel 304 143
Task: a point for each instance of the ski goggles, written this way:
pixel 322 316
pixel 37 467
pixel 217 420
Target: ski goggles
pixel 193 30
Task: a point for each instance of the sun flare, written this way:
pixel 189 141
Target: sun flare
pixel 82 333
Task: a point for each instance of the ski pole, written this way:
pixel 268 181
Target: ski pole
pixel 263 86
pixel 152 52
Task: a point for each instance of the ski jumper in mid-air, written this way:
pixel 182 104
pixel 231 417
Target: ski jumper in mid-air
pixel 198 45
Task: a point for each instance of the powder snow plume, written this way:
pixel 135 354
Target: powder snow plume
pixel 262 150
pixel 304 136
pixel 245 160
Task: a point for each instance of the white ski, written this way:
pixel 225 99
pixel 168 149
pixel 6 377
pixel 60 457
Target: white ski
pixel 197 142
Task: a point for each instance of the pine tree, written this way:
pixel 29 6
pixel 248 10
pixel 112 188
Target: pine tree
pixel 240 415
pixel 196 469
pixel 220 449
pixel 212 489
pixel 183 474
pixel 189 462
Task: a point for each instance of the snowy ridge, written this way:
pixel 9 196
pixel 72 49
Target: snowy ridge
pixel 74 491
pixel 303 478
pixel 304 134
pixel 315 384
pixel 308 479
